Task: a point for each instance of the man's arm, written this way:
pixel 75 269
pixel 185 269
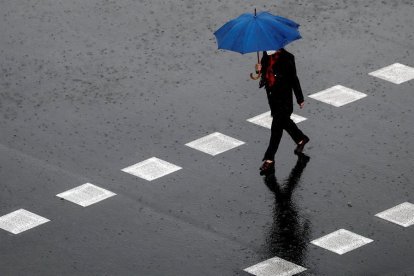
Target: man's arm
pixel 296 85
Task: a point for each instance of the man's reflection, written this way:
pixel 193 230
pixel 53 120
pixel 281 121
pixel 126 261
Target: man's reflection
pixel 289 234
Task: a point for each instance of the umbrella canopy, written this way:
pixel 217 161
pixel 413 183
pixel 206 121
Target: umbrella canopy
pixel 252 33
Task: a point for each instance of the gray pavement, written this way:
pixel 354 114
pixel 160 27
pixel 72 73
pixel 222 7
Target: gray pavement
pixel 88 88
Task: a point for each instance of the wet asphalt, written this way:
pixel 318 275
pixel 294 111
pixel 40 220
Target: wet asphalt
pixel 90 87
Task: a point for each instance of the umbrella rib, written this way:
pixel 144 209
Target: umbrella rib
pixel 233 23
pixel 264 32
pixel 229 31
pixel 249 34
pixel 283 34
pixel 286 26
pixel 282 20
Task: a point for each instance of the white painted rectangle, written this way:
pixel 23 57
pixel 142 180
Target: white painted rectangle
pixel 215 143
pixel 265 119
pixel 396 73
pixel 86 194
pixel 402 214
pixel 338 95
pixel 341 241
pixel 151 168
pixel 20 221
pixel 297 118
pixel 275 267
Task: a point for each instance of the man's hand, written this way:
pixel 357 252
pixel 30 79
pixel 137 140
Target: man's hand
pixel 258 67
pixel 301 105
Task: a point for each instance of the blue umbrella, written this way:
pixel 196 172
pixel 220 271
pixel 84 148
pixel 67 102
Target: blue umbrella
pixel 253 33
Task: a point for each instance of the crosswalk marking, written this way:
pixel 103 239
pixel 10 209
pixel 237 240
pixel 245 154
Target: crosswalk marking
pixel 402 214
pixel 396 73
pixel 265 120
pixel 86 194
pixel 341 241
pixel 215 143
pixel 152 168
pixel 20 221
pixel 338 95
pixel 275 267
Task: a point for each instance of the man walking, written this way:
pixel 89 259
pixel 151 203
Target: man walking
pixel 278 76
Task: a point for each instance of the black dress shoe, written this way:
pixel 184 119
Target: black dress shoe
pixel 300 146
pixel 267 168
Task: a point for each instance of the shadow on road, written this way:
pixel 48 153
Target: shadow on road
pixel 288 236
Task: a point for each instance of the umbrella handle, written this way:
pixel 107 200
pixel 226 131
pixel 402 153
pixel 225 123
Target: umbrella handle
pixel 255 77
pixel 258 61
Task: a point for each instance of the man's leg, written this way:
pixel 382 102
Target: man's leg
pixel 275 136
pixel 297 135
pixel 293 130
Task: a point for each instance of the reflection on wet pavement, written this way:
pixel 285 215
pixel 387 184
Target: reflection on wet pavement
pixel 288 235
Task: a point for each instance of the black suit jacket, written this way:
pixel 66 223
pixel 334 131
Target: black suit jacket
pixel 280 95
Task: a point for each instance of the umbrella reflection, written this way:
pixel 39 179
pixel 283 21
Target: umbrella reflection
pixel 289 233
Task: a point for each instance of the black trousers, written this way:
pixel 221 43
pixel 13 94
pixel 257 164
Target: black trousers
pixel 281 121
